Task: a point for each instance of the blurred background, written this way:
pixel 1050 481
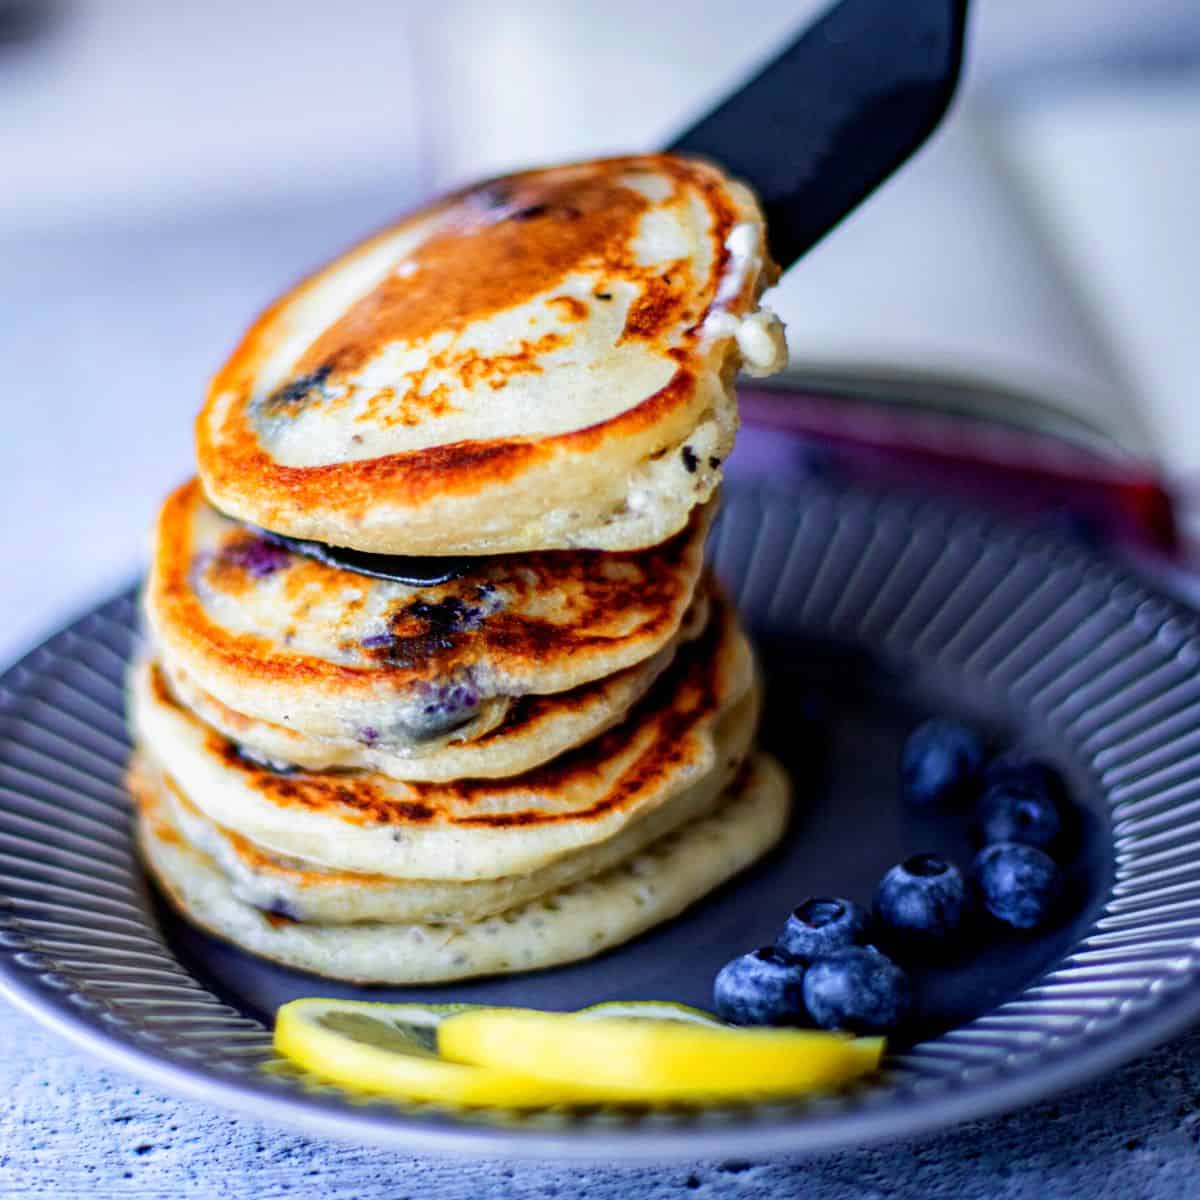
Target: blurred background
pixel 170 167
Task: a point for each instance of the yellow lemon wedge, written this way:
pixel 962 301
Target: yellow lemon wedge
pixel 390 1050
pixel 642 1061
pixel 652 1010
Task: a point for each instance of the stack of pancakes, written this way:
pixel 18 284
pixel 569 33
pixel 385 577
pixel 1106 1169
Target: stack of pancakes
pixel 438 685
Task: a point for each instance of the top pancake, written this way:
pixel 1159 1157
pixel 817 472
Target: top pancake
pixel 544 361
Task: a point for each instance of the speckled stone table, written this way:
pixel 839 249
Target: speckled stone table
pixel 71 1128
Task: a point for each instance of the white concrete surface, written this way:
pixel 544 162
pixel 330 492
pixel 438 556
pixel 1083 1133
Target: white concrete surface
pixel 73 1130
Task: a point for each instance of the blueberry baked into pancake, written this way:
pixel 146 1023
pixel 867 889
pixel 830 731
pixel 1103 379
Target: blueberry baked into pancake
pixel 436 683
pixel 347 659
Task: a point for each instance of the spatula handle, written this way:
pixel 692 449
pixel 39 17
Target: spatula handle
pixel 825 122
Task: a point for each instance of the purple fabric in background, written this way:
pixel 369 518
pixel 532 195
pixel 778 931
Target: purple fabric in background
pixel 1078 490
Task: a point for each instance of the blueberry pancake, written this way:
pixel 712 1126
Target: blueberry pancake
pixel 571 922
pixel 543 361
pixel 335 654
pixel 700 711
pixel 534 730
pixel 319 895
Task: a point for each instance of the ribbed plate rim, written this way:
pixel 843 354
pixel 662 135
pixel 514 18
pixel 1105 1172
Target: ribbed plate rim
pixel 1127 1028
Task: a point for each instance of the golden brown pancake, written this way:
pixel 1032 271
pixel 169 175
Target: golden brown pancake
pixel 534 730
pixel 569 923
pixel 302 891
pixel 335 654
pixel 699 709
pixel 541 361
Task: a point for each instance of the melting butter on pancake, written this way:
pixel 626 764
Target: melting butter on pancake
pixel 542 361
pixel 334 654
pixel 471 828
pixel 534 730
pixel 570 923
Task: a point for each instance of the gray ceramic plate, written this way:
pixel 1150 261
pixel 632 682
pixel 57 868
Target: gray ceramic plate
pixel 871 611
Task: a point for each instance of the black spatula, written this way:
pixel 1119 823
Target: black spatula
pixel 833 115
pixel 814 132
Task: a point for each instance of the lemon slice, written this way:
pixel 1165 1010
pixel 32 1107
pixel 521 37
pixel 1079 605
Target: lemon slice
pixel 652 1010
pixel 390 1050
pixel 623 1059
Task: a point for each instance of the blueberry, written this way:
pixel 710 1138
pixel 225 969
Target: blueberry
pixel 1019 885
pixel 920 904
pixel 255 555
pixel 294 396
pixel 940 761
pixel 821 925
pixel 857 989
pixel 1019 810
pixel 442 616
pixel 1017 766
pixel 765 987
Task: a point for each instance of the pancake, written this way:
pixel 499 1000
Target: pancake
pixel 311 893
pixel 543 361
pixel 472 828
pixel 573 922
pixel 336 654
pixel 535 729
